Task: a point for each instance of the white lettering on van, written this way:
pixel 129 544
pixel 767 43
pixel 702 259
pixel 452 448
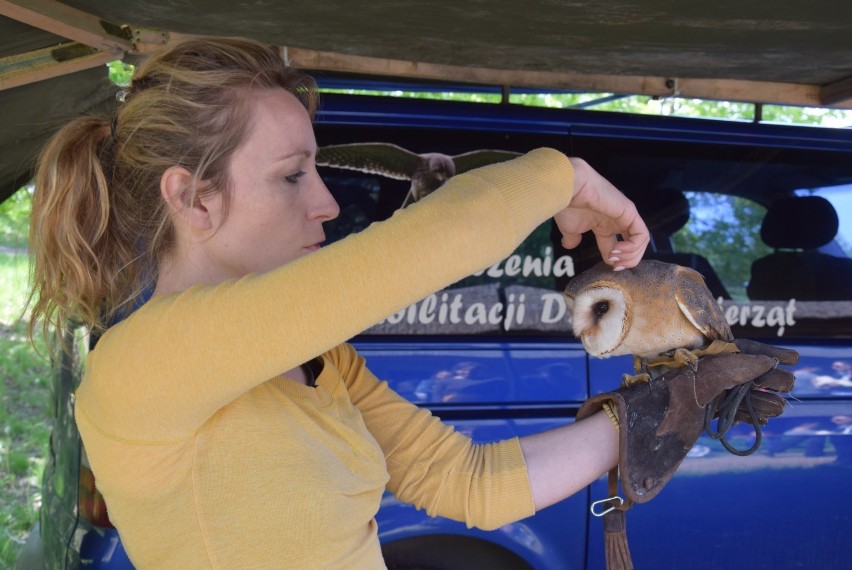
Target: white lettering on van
pixel 553 307
pixel 453 311
pixel 759 315
pixel 544 266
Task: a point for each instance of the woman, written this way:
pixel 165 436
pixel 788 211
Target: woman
pixel 226 421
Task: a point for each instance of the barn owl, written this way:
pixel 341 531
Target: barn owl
pixel 427 172
pixel 650 310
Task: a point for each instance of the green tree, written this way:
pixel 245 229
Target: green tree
pixel 15 218
pixel 725 230
pixel 641 104
pixel 676 106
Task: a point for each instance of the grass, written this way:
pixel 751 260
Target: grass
pixel 25 418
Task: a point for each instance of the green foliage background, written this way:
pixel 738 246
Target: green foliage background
pixel 25 415
pixel 14 219
pixel 641 104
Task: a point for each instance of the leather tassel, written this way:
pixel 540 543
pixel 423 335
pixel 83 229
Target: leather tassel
pixel 616 549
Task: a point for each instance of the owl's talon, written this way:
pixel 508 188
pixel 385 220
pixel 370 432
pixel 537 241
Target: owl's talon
pixel 628 380
pixel 685 357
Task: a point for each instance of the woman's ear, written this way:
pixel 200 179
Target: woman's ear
pixel 185 204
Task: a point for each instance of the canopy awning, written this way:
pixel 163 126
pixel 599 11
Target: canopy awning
pixel 797 53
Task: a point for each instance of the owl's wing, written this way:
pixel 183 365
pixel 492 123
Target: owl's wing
pixel 475 159
pixel 697 304
pixel 385 159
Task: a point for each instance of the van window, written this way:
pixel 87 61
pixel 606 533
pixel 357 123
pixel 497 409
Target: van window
pixel 841 198
pixel 725 230
pixel 772 292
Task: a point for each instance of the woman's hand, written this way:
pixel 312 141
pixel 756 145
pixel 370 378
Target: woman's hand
pixel 597 205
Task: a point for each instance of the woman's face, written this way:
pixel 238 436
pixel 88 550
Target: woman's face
pixel 278 201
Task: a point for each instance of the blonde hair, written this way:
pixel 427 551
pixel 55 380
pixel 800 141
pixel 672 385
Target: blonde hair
pixel 99 226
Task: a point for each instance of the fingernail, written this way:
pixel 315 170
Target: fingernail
pixel 618 268
pixel 616 251
pixel 614 259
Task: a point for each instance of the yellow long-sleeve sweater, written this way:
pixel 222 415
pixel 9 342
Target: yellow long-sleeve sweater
pixel 209 458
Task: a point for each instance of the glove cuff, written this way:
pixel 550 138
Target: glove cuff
pixel 647 460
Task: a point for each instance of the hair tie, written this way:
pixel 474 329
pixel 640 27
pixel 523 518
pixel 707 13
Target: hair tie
pixel 108 151
pixel 141 83
pixel 113 129
pixel 135 86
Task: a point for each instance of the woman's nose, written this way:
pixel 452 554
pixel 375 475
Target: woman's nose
pixel 325 207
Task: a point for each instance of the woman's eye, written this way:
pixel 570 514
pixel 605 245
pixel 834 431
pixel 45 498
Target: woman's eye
pixel 293 178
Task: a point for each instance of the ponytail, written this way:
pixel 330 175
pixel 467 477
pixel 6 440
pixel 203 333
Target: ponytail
pixel 80 260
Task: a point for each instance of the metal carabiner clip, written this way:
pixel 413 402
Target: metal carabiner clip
pixel 607 500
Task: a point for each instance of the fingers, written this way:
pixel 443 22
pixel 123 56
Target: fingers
pixel 777 380
pixel 718 373
pixel 611 254
pixel 634 240
pixel 598 206
pixel 570 241
pixel 784 355
pixel 629 251
pixel 765 405
pixel 766 399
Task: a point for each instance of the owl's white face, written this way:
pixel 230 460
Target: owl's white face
pixel 601 319
pixel 645 311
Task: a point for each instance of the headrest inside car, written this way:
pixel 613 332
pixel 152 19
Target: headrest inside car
pixel 804 222
pixel 664 210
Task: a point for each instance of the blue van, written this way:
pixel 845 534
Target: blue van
pixel 764 212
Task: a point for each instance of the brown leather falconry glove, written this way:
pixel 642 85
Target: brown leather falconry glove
pixel 660 420
pixel 763 395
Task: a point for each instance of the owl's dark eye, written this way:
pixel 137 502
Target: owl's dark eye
pixel 601 308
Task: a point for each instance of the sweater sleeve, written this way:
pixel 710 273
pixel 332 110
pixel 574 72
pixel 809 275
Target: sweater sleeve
pixel 164 371
pixel 431 465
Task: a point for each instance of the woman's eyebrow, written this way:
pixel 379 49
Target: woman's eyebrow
pixel 303 152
